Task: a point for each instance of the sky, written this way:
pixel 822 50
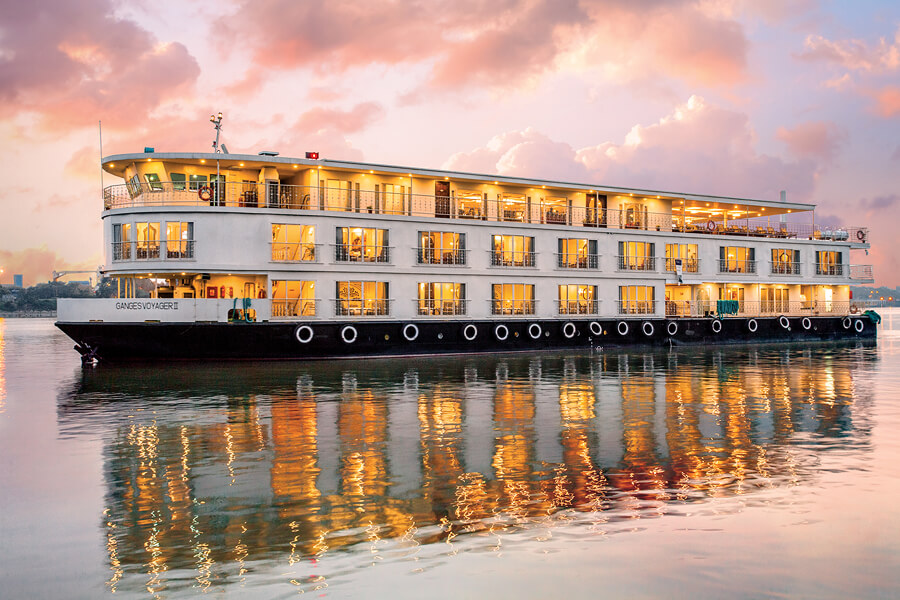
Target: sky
pixel 732 97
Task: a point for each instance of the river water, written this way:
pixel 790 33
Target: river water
pixel 746 471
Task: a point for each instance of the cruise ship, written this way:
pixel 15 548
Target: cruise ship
pixel 262 256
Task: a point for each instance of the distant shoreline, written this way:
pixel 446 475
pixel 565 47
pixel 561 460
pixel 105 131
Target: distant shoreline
pixel 28 314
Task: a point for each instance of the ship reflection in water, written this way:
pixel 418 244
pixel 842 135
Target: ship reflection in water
pixel 216 474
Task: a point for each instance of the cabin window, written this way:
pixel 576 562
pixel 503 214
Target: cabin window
pixel 293 243
pixel 737 259
pixel 512 299
pixel 773 300
pixel 293 298
pixel 393 199
pixel 134 186
pixel 637 256
pixel 785 261
pixel 513 207
pixel 442 298
pixel 361 244
pixel 829 262
pixel 441 248
pixel 554 210
pixel 471 204
pixel 122 241
pixel 179 239
pixel 197 182
pixel 154 182
pixel 690 263
pixel 361 298
pixel 578 299
pixel 147 240
pixel 636 300
pixel 178 181
pixel 577 253
pixel 512 251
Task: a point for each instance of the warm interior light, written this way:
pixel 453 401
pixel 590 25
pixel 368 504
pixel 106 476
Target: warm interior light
pixel 111 165
pixel 371 171
pixel 242 164
pixel 296 166
pixel 202 160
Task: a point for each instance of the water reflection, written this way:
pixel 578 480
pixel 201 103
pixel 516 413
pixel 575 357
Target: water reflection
pixel 2 366
pixel 218 472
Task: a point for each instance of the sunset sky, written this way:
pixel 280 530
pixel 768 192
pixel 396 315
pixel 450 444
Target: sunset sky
pixel 732 97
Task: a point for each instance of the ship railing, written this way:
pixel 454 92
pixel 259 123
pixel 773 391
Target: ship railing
pixel 511 258
pixel 731 265
pixel 636 307
pixel 784 267
pixel 830 269
pixel 513 308
pixel 759 308
pixel 395 199
pixel 577 260
pixel 362 253
pixel 862 273
pixel 578 307
pixel 304 252
pixel 288 308
pixel 441 256
pixel 431 307
pixel 688 265
pixel 370 307
pixel 636 263
pixel 153 250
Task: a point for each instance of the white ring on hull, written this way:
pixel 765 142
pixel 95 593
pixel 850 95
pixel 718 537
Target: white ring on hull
pixel 648 328
pixel 716 326
pixel 596 328
pixel 847 322
pixel 501 332
pixel 784 322
pixel 622 328
pixel 806 323
pixel 672 328
pixel 752 325
pixel 859 325
pixel 304 334
pixel 349 334
pixel 569 330
pixel 470 332
pixel 534 331
pixel 411 332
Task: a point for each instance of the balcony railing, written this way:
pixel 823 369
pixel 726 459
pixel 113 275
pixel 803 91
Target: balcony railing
pixel 579 307
pixel 862 273
pixel 515 308
pixel 441 256
pixel 296 252
pixel 156 250
pixel 688 265
pixel 444 308
pixel 730 265
pixel 765 308
pixel 576 260
pixel 830 269
pixel 365 254
pixel 784 268
pixel 511 258
pixel 636 263
pixel 636 307
pixel 291 197
pixel 362 308
pixel 293 307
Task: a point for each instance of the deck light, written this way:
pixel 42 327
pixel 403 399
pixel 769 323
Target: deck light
pixel 203 161
pixel 296 166
pixel 371 171
pixel 111 165
pixel 242 164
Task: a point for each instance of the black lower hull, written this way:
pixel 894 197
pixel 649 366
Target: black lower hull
pixel 324 340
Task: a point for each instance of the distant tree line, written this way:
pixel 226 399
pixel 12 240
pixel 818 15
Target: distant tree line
pixel 42 297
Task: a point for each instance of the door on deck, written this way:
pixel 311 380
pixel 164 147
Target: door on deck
pixel 596 210
pixel 442 199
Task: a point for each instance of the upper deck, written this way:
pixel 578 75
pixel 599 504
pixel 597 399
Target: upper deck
pixel 219 181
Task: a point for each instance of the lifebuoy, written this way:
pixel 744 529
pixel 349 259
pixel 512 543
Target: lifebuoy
pixel 806 324
pixel 470 332
pixel 501 332
pixel 672 328
pixel 784 322
pixel 410 332
pixel 752 325
pixel 716 326
pixel 304 334
pixel 648 328
pixel 261 294
pixel 711 225
pixel 348 334
pixel 596 328
pixel 861 235
pixel 854 309
pixel 847 323
pixel 534 331
pixel 569 330
pixel 859 325
pixel 205 193
pixel 622 328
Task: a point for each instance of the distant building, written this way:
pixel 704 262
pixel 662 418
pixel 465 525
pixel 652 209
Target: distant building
pixel 17 280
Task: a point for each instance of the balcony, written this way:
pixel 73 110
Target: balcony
pixel 362 308
pixel 784 268
pixel 514 308
pixel 862 273
pixel 357 253
pixel 579 307
pixel 156 250
pixel 830 269
pixel 511 258
pixel 688 265
pixel 766 308
pixel 441 256
pixel 297 252
pixel 730 265
pixel 636 307
pixel 636 263
pixel 293 308
pixel 577 260
pixel 444 308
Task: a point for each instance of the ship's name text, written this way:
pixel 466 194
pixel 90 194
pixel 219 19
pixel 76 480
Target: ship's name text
pixel 151 305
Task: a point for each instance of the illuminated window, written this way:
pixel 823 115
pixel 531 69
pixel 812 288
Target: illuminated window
pixel 785 261
pixel 637 256
pixel 147 242
pixel 512 299
pixel 636 300
pixel 179 239
pixel 441 248
pixel 293 298
pixel 690 263
pixel 293 243
pixel 154 182
pixel 577 253
pixel 829 262
pixel 578 299
pixel 512 251
pixel 362 298
pixel 737 259
pixel 122 241
pixel 361 244
pixel 442 298
pixel 178 181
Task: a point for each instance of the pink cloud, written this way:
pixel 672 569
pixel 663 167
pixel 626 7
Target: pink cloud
pixel 342 121
pixel 813 139
pixel 75 63
pixel 887 101
pixel 37 265
pixel 855 55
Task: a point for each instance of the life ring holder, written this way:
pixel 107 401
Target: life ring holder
pixel 470 332
pixel 569 330
pixel 752 325
pixel 534 331
pixel 806 323
pixel 410 332
pixel 858 325
pixel 304 334
pixel 847 322
pixel 622 328
pixel 861 235
pixel 711 225
pixel 349 334
pixel 784 322
pixel 205 193
pixel 596 328
pixel 648 328
pixel 501 332
pixel 672 328
pixel 716 326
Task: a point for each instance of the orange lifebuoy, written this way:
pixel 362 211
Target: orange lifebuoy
pixel 711 225
pixel 861 235
pixel 261 294
pixel 205 193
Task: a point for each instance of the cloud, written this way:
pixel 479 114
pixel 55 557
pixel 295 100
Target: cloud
pixel 879 202
pixel 887 101
pixel 854 55
pixel 73 64
pixel 697 148
pixel 84 164
pixel 813 139
pixel 341 121
pixel 37 265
